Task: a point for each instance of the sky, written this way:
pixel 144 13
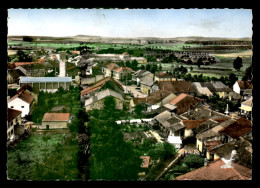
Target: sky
pixel 130 23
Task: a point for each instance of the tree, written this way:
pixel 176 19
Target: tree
pixel 169 150
pixel 46 138
pixel 248 73
pixel 139 108
pixel 238 63
pixel 148 67
pixel 109 103
pixel 232 78
pixel 199 62
pixel 160 67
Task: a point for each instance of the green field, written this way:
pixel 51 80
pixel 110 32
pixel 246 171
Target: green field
pixel 31 151
pixel 166 46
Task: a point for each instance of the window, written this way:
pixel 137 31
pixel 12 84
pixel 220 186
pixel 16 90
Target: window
pixel 22 106
pixel 12 106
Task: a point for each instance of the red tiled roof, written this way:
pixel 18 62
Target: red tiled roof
pixel 123 69
pixel 56 117
pixel 177 86
pixel 244 84
pixel 12 114
pixel 24 87
pixel 153 98
pixel 112 66
pixel 178 98
pixel 25 96
pixel 75 52
pixel 184 102
pixel 211 144
pixel 238 128
pixel 213 171
pixel 192 124
pixel 10 65
pixel 100 84
pixel 145 163
pixel 164 75
pixel 23 63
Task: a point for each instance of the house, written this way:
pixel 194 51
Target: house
pixel 240 86
pixel 214 171
pixel 184 102
pixel 177 87
pixel 154 100
pixel 141 75
pixel 49 84
pixel 55 120
pixel 146 160
pixel 106 83
pixel 211 134
pixel 140 60
pixel 13 75
pixel 246 108
pixel 190 125
pixel 22 101
pixel 96 101
pixel 171 127
pixel 210 146
pixel 121 73
pixel 202 111
pixel 162 76
pixel 247 94
pixel 209 88
pixel 146 85
pixel 108 69
pixel 243 148
pixel 14 119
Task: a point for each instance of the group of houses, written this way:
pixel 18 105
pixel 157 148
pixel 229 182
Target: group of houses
pixel 175 108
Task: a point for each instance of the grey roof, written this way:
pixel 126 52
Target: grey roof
pixel 214 131
pixel 176 126
pixel 141 73
pixel 248 102
pixel 247 92
pixel 206 125
pixel 102 94
pixel 216 86
pixel 148 81
pixel 23 70
pixel 24 79
pixel 204 112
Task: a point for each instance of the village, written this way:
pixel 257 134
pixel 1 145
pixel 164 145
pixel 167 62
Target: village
pixel 177 126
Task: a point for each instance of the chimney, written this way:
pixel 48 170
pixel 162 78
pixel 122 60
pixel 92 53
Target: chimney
pixel 210 113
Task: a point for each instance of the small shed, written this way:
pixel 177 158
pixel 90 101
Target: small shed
pixel 55 120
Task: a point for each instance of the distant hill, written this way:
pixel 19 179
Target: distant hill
pixel 88 38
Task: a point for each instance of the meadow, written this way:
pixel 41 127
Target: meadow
pixel 23 157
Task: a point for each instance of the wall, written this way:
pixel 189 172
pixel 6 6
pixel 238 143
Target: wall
pixel 11 126
pixel 55 124
pixel 145 89
pixel 100 104
pixel 188 132
pixel 18 103
pixel 236 88
pixel 199 145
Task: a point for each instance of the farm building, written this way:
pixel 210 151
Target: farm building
pixel 49 84
pixel 55 120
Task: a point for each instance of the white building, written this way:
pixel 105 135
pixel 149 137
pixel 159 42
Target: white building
pixel 22 102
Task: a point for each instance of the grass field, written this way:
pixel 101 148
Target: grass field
pixel 29 151
pixel 168 46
